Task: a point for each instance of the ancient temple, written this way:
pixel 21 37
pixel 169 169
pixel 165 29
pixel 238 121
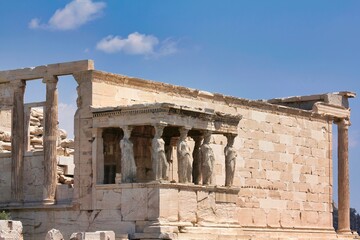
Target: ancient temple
pixel 158 161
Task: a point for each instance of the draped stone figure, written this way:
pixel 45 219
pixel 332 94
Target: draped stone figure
pixel 128 166
pixel 230 160
pixel 159 161
pixel 184 157
pixel 207 160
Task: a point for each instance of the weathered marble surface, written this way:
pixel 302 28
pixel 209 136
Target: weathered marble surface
pixel 184 157
pixel 207 160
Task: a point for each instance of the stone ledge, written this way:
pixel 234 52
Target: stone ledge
pixel 167 185
pixel 6 155
pixel 56 69
pixel 286 229
pixel 34 206
pixel 35 153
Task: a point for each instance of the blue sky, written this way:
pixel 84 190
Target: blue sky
pixel 249 49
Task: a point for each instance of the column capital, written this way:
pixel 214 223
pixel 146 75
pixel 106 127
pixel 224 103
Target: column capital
pixel 159 128
pixel 183 132
pixel 230 138
pixel 343 122
pixel 207 136
pixel 127 130
pixel 50 79
pixel 18 84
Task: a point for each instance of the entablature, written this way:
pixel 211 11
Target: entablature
pixel 166 114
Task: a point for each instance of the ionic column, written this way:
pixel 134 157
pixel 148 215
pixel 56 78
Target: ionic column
pixel 98 155
pixel 17 140
pixel 343 177
pixel 128 166
pixel 50 138
pixel 196 171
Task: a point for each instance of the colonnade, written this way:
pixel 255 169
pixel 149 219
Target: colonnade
pixel 194 165
pixel 50 138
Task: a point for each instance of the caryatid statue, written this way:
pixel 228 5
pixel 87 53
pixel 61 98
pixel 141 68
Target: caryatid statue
pixel 207 160
pixel 128 166
pixel 184 157
pixel 230 160
pixel 159 161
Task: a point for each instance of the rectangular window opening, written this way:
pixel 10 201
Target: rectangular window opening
pixel 5 130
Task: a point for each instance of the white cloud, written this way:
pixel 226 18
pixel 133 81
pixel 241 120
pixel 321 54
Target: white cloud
pixel 137 44
pixel 72 16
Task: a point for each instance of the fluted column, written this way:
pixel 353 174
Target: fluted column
pixel 50 138
pixel 17 141
pixel 343 177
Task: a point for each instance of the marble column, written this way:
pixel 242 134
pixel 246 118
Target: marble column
pixel 50 138
pixel 158 156
pixel 128 166
pixel 196 171
pixel 343 177
pixel 98 155
pixel 17 141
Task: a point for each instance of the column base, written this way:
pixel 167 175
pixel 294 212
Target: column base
pixel 48 202
pixel 15 203
pixel 347 234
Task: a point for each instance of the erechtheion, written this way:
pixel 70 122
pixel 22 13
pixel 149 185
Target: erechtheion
pixel 155 161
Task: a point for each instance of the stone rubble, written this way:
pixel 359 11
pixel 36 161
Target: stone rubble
pixel 54 234
pixel 65 146
pixel 11 230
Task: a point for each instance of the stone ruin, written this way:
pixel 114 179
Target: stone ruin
pixel 12 230
pixel 65 146
pixel 152 160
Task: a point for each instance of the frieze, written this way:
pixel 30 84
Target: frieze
pixel 171 109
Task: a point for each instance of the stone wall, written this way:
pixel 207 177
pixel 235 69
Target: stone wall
pixel 5 177
pixel 286 171
pixel 284 158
